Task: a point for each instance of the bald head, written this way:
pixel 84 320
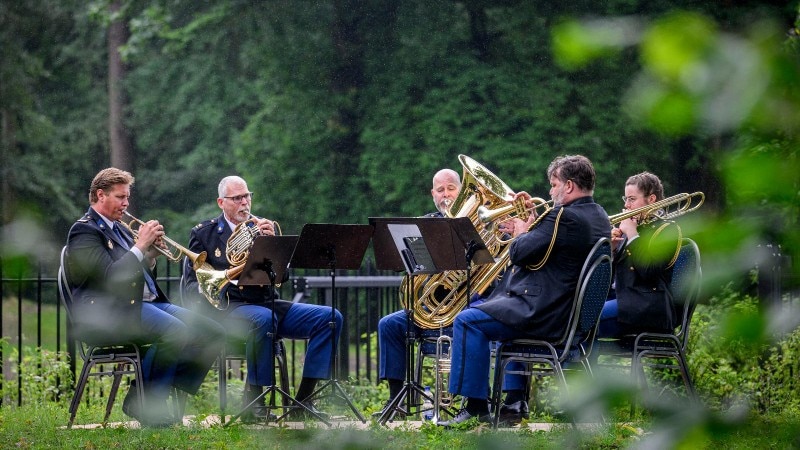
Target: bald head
pixel 446 184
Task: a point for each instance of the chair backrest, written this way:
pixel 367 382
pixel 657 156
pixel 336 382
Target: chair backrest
pixel 685 285
pixel 591 293
pixel 64 291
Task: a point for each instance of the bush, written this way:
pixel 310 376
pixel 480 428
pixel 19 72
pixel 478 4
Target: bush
pixel 734 361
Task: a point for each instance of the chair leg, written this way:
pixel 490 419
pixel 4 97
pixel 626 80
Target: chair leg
pixel 222 374
pixel 79 388
pixel 687 378
pixel 179 404
pixel 497 389
pixel 283 371
pixel 112 395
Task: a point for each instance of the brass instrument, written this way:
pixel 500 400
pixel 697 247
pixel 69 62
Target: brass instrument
pixel 439 297
pixel 443 399
pixel 515 209
pixel 237 249
pixel 174 251
pixel 666 209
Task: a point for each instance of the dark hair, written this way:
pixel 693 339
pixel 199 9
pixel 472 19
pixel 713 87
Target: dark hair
pixel 648 183
pixel 107 179
pixel 577 168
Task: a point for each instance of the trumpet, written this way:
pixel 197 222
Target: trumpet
pixel 666 209
pixel 174 251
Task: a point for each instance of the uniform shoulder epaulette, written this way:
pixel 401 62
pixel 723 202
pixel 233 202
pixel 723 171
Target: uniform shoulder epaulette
pixel 84 219
pixel 205 223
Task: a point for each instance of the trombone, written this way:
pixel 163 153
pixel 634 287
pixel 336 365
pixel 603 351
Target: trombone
pixel 174 251
pixel 666 209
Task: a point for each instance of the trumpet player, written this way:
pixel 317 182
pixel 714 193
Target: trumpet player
pixel 643 257
pixel 116 300
pixel 248 316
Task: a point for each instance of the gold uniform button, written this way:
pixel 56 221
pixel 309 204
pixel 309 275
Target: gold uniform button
pixel 133 301
pixel 632 269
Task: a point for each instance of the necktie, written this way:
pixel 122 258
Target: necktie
pixel 151 284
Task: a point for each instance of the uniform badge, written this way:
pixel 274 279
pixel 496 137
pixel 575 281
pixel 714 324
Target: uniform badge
pixel 217 253
pixel 110 245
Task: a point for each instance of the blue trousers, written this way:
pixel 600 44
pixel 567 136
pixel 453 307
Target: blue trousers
pixel 253 324
pixel 392 343
pixel 609 327
pixel 473 333
pixel 184 346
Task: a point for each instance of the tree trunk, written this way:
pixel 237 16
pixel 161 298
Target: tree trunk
pixel 119 139
pixel 7 146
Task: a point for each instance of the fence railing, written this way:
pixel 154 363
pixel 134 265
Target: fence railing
pixel 31 316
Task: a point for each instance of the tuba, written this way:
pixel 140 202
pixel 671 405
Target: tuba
pixel 237 249
pixel 439 297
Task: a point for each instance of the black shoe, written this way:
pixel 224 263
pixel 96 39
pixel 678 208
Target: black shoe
pixel 157 415
pixel 306 413
pixel 512 414
pixel 464 416
pixel 399 413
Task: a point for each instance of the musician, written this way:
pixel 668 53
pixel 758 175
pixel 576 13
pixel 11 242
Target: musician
pixel 392 327
pixel 117 300
pixel 534 297
pixel 248 315
pixel 643 260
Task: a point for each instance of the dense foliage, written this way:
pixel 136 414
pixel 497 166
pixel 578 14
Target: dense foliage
pixel 334 110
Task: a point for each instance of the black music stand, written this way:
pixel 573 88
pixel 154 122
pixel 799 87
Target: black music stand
pixel 267 262
pixel 332 246
pixel 412 245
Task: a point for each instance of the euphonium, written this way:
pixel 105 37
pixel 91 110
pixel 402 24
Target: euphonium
pixel 666 209
pixel 174 251
pixel 237 249
pixel 439 297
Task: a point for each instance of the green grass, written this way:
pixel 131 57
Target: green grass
pixel 43 427
pixel 30 325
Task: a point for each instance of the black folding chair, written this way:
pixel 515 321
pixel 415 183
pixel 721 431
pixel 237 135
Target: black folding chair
pixel 544 357
pixel 123 359
pixel 652 350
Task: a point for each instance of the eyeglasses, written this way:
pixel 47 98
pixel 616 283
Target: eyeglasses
pixel 239 198
pixel 630 199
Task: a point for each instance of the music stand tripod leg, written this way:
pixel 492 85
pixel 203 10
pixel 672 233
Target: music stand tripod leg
pixel 409 385
pixel 333 382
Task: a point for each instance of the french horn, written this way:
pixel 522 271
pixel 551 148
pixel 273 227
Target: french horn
pixel 237 249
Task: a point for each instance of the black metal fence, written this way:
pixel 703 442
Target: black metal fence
pixel 363 297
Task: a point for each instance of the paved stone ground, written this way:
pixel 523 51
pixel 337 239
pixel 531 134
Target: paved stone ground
pixel 214 420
